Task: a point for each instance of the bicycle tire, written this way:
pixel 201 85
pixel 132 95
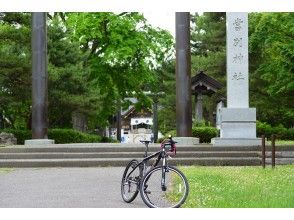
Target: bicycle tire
pixel 133 181
pixel 156 196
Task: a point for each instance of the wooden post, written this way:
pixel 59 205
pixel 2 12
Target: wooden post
pixel 118 125
pixel 263 151
pixel 273 151
pixel 155 119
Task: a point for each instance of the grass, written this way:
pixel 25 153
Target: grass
pixel 281 142
pixel 240 187
pixel 5 170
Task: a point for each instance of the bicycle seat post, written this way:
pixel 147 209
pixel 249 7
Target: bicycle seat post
pixel 146 148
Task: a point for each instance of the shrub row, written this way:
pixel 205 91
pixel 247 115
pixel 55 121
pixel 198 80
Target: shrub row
pixel 60 136
pixel 203 133
pixel 262 128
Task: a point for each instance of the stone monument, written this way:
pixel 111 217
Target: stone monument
pixel 237 122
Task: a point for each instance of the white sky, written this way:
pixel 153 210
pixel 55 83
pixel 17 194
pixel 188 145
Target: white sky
pixel 164 20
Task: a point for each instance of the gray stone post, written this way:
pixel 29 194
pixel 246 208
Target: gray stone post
pixel 199 107
pixel 39 77
pixel 183 81
pixel 39 80
pixel 183 75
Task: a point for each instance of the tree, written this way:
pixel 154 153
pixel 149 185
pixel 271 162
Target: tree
pixel 167 102
pixel 69 87
pixel 272 66
pixel 15 68
pixel 123 53
pixel 70 90
pixel 208 48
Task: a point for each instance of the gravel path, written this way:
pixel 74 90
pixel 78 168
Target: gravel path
pixel 64 188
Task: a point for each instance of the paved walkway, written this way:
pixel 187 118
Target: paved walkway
pixel 64 188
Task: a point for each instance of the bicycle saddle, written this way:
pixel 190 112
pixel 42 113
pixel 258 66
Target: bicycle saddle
pixel 145 141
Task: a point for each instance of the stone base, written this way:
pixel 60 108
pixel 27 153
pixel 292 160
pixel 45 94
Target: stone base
pixel 39 142
pixel 236 142
pixel 186 140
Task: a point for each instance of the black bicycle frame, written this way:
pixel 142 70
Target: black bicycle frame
pixel 159 154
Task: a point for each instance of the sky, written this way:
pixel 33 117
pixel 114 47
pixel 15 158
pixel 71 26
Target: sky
pixel 164 20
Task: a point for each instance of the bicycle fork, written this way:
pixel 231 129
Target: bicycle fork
pixel 163 175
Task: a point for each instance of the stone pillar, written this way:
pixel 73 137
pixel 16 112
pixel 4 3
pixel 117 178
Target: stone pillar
pixel 199 107
pixel 183 75
pixel 237 121
pixel 183 80
pixel 39 81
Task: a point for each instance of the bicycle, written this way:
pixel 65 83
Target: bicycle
pixel 160 185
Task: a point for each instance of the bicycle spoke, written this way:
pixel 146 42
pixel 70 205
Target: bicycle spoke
pixel 168 189
pixel 130 182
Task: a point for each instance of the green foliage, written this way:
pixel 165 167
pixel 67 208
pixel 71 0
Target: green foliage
pixel 173 133
pixel 69 86
pixel 208 47
pixel 60 136
pixel 95 61
pixel 15 68
pixel 271 63
pixel 271 67
pixel 204 133
pixel 20 134
pixel 167 102
pixel 282 133
pixel 123 52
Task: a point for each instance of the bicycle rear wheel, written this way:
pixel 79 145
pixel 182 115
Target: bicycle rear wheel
pixel 130 181
pixel 164 187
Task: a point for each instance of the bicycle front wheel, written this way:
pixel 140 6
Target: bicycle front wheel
pixel 164 187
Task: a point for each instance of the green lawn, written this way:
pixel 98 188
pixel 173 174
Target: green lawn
pixel 5 170
pixel 227 187
pixel 281 142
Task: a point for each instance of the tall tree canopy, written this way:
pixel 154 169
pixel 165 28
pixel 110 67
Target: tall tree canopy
pixel 271 56
pixel 123 52
pixel 208 47
pixel 271 45
pixel 15 68
pixel 95 60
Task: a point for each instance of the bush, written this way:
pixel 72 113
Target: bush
pixel 21 135
pixel 60 136
pixel 63 136
pixel 173 133
pixel 282 133
pixel 108 140
pixel 289 135
pixel 204 133
pixel 262 128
